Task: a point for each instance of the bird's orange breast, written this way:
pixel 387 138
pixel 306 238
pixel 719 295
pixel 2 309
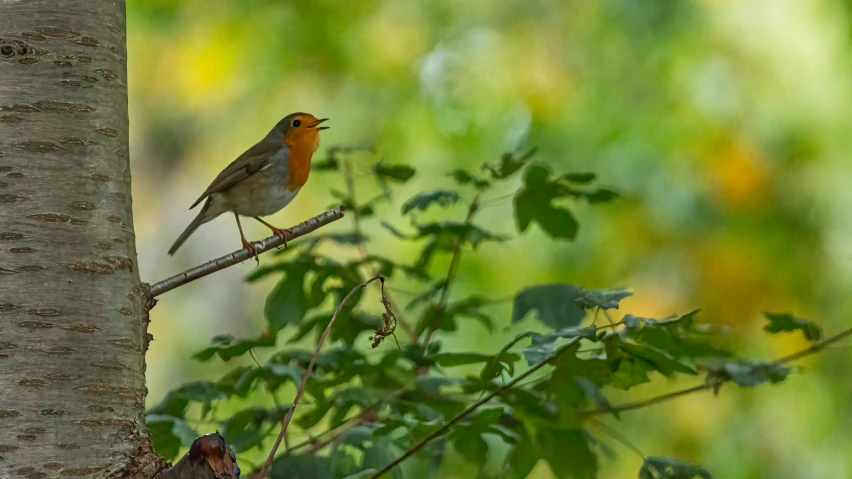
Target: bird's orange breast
pixel 298 169
pixel 299 166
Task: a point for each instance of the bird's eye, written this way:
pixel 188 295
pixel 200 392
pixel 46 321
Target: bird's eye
pixel 297 123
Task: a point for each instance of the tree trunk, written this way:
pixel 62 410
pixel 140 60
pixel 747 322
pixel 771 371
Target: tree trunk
pixel 72 311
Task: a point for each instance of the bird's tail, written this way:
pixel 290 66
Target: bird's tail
pixel 198 221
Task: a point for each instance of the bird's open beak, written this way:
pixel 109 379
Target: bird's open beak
pixel 316 125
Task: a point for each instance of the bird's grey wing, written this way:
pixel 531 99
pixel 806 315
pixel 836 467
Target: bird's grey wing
pixel 244 166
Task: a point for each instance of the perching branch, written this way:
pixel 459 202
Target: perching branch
pixel 241 255
pixel 451 273
pixel 458 417
pixel 307 375
pixel 814 348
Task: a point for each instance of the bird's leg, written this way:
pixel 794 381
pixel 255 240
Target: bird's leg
pixel 250 247
pixel 281 233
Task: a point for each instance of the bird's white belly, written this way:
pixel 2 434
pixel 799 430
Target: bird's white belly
pixel 261 194
pixel 265 200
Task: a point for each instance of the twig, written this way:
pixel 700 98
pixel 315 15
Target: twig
pixel 458 417
pixel 241 255
pixel 307 375
pixel 356 218
pixel 451 274
pixel 814 348
pixel 613 433
pixel 362 417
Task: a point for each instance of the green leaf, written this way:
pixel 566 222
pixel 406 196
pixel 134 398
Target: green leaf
pixel 567 452
pixel 348 331
pixel 574 381
pixel 637 322
pixel 177 400
pixel 288 301
pixel 169 434
pixel 450 231
pixel 380 455
pixel 396 173
pixel 602 298
pixel 226 346
pixel 558 223
pixel 578 178
pixel 526 209
pixel 555 305
pixel 427 295
pixel 423 201
pixel 342 238
pixel 746 373
pixel 630 373
pixel 327 164
pixel 289 466
pixel 509 164
pixel 600 195
pixel 502 361
pixel 677 336
pixel 542 346
pixel 460 359
pixel 522 457
pixel 656 467
pixel 660 361
pixel 470 444
pixel 247 428
pixel 779 322
pixel 463 177
pixel 445 234
pixel 278 374
pixel 394 231
pixel 366 473
pixel 468 308
pixel 534 201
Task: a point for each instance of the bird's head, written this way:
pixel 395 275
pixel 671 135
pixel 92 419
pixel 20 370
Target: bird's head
pixel 301 131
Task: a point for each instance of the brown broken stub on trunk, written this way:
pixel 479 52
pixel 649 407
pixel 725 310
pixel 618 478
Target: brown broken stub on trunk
pixel 209 457
pixel 219 457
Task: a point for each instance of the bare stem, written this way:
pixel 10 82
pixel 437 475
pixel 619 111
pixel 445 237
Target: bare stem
pixel 307 375
pixel 241 255
pixel 458 417
pixel 349 176
pixel 365 415
pixel 451 273
pixel 613 433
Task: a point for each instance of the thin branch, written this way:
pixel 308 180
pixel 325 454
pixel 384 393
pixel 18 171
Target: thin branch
pixel 364 416
pixel 451 274
pixel 241 255
pixel 356 217
pixel 307 375
pixel 613 433
pixel 458 417
pixel 649 402
pixel 814 348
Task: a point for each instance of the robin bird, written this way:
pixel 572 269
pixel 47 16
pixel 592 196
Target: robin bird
pixel 263 180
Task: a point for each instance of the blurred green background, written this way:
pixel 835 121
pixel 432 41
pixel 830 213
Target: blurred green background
pixel 724 123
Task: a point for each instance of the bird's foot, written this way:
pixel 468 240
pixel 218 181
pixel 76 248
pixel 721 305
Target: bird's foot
pixel 252 249
pixel 282 233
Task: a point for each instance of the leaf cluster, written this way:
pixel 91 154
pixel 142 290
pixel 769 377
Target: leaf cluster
pixel 368 400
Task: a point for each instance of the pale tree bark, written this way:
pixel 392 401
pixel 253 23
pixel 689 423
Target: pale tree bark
pixel 72 311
